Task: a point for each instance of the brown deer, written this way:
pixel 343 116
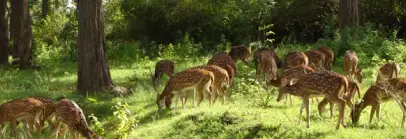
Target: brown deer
pixel 349 97
pixel 329 55
pixel 374 96
pixel 316 59
pixel 322 83
pixel 388 71
pixel 161 67
pixel 49 111
pixel 240 53
pixel 396 89
pixel 295 59
pixel 350 65
pixel 221 81
pixel 291 76
pixel 29 109
pixel 267 66
pixel 182 82
pixel 71 116
pixel 224 61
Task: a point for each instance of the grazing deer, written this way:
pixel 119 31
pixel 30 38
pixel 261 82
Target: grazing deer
pixel 240 53
pixel 182 82
pixel 49 111
pixel 396 89
pixel 322 83
pixel 350 65
pixel 257 53
pixel 224 61
pixel 349 97
pixel 161 67
pixel 29 109
pixel 316 59
pixel 388 71
pixel 221 81
pixel 69 114
pixel 295 59
pixel 291 76
pixel 329 55
pixel 374 96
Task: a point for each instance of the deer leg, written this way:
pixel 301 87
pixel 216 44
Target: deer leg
pixel 378 111
pixel 56 129
pixel 341 118
pixel 290 99
pixel 65 128
pixel 300 113
pixel 371 115
pixel 307 107
pixel 199 91
pixel 30 122
pixel 14 128
pixel 331 109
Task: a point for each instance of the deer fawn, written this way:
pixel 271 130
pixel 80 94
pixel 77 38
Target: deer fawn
pixel 374 96
pixel 316 59
pixel 329 55
pixel 388 71
pixel 350 65
pixel 224 61
pixel 29 109
pixel 323 83
pixel 240 53
pixel 68 113
pixel 184 81
pixel 349 97
pixel 295 59
pixel 161 67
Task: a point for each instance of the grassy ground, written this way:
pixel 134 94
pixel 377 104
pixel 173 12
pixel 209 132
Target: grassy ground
pixel 250 111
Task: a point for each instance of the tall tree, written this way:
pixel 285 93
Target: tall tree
pixel 44 8
pixel 93 69
pixel 21 33
pixel 348 11
pixel 3 34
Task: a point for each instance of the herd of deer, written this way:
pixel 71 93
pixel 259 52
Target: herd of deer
pixel 34 111
pixel 304 74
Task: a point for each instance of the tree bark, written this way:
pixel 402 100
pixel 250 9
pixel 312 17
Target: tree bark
pixel 348 11
pixel 45 8
pixel 93 69
pixel 3 33
pixel 21 33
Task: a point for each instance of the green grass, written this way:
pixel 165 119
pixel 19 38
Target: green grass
pixel 248 112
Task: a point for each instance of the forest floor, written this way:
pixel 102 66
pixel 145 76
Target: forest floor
pixel 248 112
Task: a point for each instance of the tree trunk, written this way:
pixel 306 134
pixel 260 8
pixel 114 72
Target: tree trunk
pixel 21 33
pixel 93 69
pixel 3 34
pixel 348 11
pixel 45 8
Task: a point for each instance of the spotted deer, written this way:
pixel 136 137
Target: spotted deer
pixel 388 71
pixel 240 53
pixel 221 81
pixel 161 67
pixel 374 96
pixel 70 116
pixel 49 110
pixel 329 55
pixel 291 76
pixel 183 82
pixel 267 66
pixel 316 59
pixel 350 65
pixel 223 60
pixel 322 83
pixel 349 96
pixel 396 89
pixel 295 59
pixel 28 109
pixel 257 53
